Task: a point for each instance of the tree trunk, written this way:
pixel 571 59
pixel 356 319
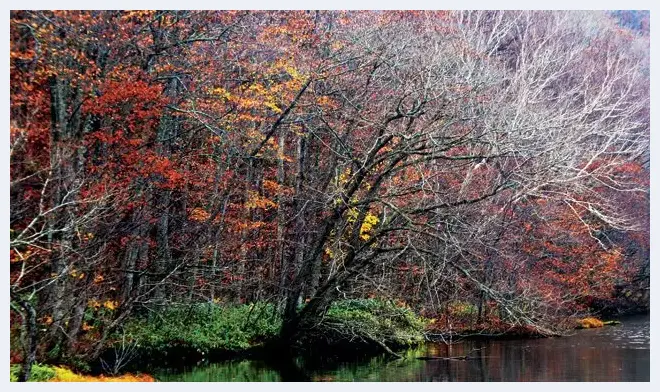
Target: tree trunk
pixel 29 316
pixel 295 288
pixel 59 242
pixel 280 260
pixel 167 131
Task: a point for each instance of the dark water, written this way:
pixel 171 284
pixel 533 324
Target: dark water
pixel 613 353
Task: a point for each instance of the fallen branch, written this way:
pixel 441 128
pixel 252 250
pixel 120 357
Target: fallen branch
pixel 383 346
pixel 461 358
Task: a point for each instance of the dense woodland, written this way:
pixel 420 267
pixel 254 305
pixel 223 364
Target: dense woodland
pixel 481 163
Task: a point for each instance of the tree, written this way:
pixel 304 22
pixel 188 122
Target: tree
pixel 176 157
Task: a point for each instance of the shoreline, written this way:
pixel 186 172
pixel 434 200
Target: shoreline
pixel 178 356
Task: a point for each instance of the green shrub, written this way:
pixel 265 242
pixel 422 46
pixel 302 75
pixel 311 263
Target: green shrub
pixel 207 327
pixel 39 373
pixel 375 319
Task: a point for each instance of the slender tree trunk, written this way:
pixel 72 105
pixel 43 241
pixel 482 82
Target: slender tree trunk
pixel 483 298
pixel 247 217
pixel 29 316
pixel 296 287
pixel 167 130
pixel 280 260
pixel 76 321
pixel 164 255
pixel 59 242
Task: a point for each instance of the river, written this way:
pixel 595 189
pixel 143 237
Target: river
pixel 612 353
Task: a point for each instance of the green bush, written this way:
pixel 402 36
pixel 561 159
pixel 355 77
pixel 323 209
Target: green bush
pixel 207 327
pixel 39 373
pixel 376 319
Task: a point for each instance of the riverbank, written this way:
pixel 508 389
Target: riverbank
pixel 181 336
pixel 617 353
pixel 503 331
pixel 178 336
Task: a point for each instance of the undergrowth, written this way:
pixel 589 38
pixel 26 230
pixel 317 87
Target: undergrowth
pixel 206 327
pixel 372 320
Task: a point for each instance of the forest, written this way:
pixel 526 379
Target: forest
pixel 215 182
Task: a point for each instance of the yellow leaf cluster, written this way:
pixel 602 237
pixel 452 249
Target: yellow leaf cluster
pixel 255 200
pixel 199 215
pixel 112 305
pixel 293 72
pixel 329 252
pixel 93 303
pixel 272 106
pixel 343 178
pixel 370 221
pixel 221 93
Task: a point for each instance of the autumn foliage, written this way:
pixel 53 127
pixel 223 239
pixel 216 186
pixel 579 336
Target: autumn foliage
pixel 65 375
pixel 299 157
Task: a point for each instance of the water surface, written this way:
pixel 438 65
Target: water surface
pixel 613 353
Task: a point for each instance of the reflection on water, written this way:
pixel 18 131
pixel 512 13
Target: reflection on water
pixel 615 353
